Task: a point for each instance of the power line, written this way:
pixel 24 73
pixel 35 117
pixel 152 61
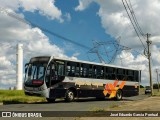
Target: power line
pixel 135 19
pixel 62 37
pixel 43 29
pixel 133 24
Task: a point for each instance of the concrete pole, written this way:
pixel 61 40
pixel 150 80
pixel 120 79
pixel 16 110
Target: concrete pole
pixel 19 67
pixel 149 61
pixel 157 79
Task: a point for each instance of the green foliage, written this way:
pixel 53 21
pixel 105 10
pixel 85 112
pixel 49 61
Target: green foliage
pixel 155 86
pixel 12 93
pixel 18 96
pixel 141 86
pixel 156 92
pixel 99 110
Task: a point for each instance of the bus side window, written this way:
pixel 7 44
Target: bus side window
pixel 90 71
pixel 94 71
pixel 71 69
pixel 136 76
pixel 110 72
pixel 114 74
pixel 99 72
pixel 130 75
pixel 84 70
pixel 120 74
pixel 106 73
pixel 68 70
pixel 77 70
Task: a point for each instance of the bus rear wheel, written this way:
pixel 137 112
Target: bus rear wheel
pixel 118 95
pixel 69 96
pixel 50 100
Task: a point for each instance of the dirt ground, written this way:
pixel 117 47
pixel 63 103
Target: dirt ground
pixel 148 104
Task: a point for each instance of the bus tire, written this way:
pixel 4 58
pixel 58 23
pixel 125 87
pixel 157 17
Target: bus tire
pixel 118 95
pixel 50 100
pixel 69 96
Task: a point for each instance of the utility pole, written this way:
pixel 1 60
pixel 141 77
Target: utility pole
pixel 149 55
pixel 157 79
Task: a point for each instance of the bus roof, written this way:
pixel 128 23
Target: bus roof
pixel 102 64
pixel 94 63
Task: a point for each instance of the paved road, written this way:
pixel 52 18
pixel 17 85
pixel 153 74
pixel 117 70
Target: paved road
pixel 89 104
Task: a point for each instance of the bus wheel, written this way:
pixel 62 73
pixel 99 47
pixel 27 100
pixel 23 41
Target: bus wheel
pixel 119 95
pixel 69 96
pixel 50 100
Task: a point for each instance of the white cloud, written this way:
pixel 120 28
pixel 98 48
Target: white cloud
pixel 83 4
pixel 7 72
pixel 14 5
pixel 44 7
pixel 4 63
pixel 115 21
pixel 127 59
pixel 35 43
pixel 68 16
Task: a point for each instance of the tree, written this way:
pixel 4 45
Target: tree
pixel 155 86
pixel 141 86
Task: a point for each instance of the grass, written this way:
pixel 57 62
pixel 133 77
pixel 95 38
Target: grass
pixel 103 110
pixel 114 106
pixel 156 92
pixel 18 96
pixel 98 110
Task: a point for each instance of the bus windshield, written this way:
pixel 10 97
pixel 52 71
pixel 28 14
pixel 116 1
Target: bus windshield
pixel 35 71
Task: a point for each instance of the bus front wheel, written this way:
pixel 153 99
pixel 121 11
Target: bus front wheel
pixel 50 100
pixel 69 96
pixel 118 95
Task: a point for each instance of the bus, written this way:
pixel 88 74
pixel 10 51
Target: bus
pixel 53 77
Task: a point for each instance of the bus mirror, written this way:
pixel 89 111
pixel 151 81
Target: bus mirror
pixel 26 66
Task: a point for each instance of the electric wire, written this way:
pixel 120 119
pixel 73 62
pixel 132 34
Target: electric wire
pixel 59 36
pixel 27 21
pixel 133 24
pixel 135 19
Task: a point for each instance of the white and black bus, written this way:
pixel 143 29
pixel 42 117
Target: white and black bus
pixel 53 77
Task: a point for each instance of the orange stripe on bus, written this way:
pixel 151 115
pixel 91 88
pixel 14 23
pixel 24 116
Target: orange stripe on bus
pixel 113 94
pixel 108 88
pixel 122 84
pixel 115 83
pixel 111 87
pixel 105 92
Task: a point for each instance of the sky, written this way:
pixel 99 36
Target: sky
pixel 86 22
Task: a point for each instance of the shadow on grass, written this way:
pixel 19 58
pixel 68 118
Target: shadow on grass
pixel 22 102
pixel 13 102
pixel 81 100
pixel 90 99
